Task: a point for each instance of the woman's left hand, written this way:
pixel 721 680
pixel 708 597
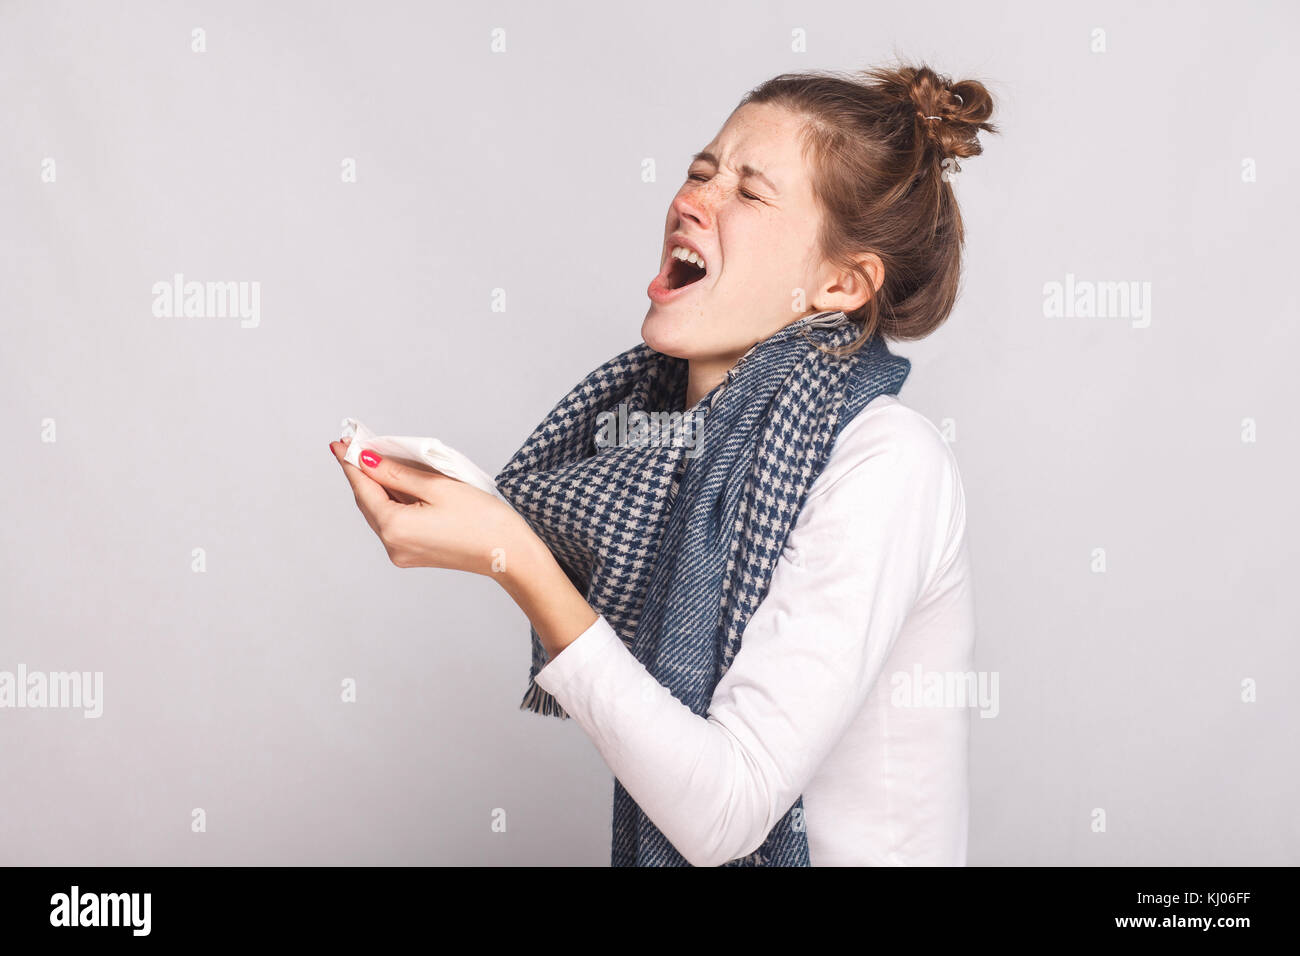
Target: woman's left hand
pixel 435 521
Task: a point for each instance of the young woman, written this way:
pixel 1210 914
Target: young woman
pixel 739 606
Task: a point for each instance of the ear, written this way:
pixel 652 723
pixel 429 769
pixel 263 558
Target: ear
pixel 846 291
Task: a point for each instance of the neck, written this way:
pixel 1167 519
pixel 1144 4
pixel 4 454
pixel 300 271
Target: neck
pixel 704 375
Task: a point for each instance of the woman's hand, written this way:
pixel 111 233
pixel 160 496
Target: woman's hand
pixel 431 521
pixel 428 520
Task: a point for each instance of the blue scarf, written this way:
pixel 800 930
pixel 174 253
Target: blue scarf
pixel 673 534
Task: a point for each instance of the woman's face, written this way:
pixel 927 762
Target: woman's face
pixel 747 208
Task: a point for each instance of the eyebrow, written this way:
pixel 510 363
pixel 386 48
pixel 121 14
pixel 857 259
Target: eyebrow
pixel 745 169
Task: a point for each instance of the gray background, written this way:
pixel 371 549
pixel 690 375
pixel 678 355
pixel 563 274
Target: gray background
pixel 521 171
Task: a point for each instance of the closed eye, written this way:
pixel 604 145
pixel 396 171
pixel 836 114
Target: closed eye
pixel 699 178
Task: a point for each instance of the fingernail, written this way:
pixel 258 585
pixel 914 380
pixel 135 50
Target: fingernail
pixel 370 458
pixel 331 448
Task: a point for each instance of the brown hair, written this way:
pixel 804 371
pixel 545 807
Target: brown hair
pixel 880 142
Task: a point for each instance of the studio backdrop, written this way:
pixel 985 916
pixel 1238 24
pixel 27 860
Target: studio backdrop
pixel 435 218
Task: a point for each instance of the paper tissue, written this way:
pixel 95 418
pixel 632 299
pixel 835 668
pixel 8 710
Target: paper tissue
pixel 424 453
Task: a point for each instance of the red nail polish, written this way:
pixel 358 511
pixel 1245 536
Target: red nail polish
pixel 370 458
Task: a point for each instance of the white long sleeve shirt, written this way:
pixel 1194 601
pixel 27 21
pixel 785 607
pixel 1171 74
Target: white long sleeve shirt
pixel 871 592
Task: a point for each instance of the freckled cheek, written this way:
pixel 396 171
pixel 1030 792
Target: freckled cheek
pixel 706 202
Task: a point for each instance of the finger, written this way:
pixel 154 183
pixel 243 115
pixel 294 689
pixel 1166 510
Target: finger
pixel 371 496
pixel 395 476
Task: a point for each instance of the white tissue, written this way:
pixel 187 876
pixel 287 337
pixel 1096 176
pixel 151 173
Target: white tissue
pixel 427 453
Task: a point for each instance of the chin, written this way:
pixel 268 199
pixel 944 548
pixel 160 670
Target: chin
pixel 666 334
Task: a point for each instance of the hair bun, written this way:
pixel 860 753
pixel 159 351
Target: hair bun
pixel 947 116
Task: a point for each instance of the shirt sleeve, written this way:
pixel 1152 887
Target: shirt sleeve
pixel 874 529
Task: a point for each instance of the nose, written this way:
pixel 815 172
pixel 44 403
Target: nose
pixel 695 205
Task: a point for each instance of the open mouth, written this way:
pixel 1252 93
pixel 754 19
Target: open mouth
pixel 682 273
pixel 683 267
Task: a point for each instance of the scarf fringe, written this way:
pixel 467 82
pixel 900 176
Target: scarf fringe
pixel 540 702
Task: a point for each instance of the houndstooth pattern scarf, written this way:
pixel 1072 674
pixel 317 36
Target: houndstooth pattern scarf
pixel 673 539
